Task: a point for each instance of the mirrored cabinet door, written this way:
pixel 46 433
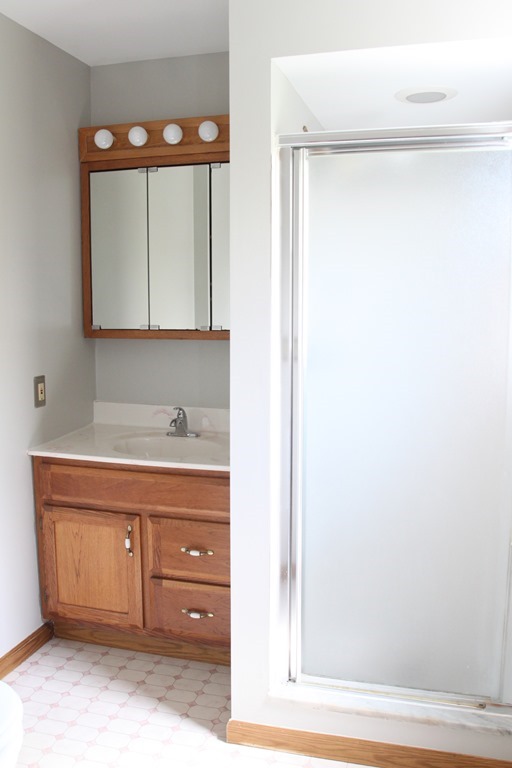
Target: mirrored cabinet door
pixel 119 263
pixel 220 245
pixel 160 247
pixel 178 199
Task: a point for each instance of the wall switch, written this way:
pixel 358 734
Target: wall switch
pixel 39 391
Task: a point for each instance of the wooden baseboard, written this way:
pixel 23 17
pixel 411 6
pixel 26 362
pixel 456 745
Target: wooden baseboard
pixel 145 643
pixel 25 649
pixel 371 753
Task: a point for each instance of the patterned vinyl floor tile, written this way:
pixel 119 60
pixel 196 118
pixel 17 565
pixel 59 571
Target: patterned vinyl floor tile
pixel 89 706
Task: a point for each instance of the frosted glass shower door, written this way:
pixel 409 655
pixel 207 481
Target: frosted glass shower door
pixel 403 323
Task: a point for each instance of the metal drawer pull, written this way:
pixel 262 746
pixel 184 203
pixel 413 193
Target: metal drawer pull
pixel 197 614
pixel 127 542
pixel 197 552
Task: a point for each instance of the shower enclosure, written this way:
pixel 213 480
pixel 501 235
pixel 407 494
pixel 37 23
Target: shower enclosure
pixel 398 385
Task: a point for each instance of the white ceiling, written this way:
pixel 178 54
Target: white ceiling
pixel 344 90
pixel 112 31
pixel 353 90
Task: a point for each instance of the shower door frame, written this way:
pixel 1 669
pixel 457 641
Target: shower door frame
pixel 292 151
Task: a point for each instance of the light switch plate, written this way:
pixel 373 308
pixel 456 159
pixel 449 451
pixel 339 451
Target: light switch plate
pixel 39 391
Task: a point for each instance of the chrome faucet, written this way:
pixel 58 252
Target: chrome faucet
pixel 180 424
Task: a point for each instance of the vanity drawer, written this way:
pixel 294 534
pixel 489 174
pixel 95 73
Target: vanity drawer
pixel 188 549
pixel 192 611
pixel 198 496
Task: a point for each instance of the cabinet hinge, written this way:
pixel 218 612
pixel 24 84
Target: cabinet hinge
pixel 45 595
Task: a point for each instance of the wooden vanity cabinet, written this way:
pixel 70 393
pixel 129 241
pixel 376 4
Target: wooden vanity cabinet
pixel 135 556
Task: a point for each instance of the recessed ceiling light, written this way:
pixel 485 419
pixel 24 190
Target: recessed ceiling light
pixel 425 95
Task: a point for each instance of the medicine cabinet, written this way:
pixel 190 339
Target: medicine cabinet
pixel 155 233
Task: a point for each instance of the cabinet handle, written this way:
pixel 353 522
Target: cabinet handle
pixel 197 552
pixel 197 614
pixel 127 542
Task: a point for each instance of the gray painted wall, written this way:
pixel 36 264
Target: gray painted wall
pixel 160 372
pixel 45 98
pixel 185 86
pixel 163 372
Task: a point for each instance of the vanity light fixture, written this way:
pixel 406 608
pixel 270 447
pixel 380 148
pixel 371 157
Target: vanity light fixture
pixel 208 130
pixel 172 133
pixel 137 136
pixel 103 138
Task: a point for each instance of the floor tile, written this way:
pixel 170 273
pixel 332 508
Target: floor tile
pixel 89 706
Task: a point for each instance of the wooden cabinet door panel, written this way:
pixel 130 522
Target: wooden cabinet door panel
pixel 206 545
pixel 89 573
pixel 175 606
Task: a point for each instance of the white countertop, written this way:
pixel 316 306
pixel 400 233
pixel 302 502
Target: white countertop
pixel 139 438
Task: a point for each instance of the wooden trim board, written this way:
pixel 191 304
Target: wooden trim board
pixel 133 641
pixel 25 649
pixel 332 747
pixel 156 146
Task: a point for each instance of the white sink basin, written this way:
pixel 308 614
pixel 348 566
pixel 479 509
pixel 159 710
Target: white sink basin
pixel 205 449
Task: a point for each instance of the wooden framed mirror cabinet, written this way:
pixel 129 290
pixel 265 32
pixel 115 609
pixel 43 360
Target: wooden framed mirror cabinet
pixel 155 229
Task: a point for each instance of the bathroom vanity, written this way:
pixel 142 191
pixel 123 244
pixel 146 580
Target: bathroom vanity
pixel 134 551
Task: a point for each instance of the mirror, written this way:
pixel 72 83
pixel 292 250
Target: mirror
pixel 159 247
pixel 155 232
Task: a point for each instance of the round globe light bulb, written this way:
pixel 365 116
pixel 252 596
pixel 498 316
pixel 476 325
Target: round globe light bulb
pixel 208 130
pixel 173 134
pixel 103 138
pixel 137 136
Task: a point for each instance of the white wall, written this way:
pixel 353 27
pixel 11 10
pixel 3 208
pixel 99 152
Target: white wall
pixel 166 371
pixel 259 32
pixel 45 98
pixel 289 112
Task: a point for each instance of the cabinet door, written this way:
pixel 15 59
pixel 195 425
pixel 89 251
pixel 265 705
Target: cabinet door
pixel 179 243
pixel 119 249
pixel 220 245
pixel 90 574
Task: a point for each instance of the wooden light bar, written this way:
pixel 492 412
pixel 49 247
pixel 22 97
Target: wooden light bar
pixel 156 146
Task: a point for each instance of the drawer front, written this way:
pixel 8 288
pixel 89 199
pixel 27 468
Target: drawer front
pixel 200 496
pixel 188 549
pixel 191 611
